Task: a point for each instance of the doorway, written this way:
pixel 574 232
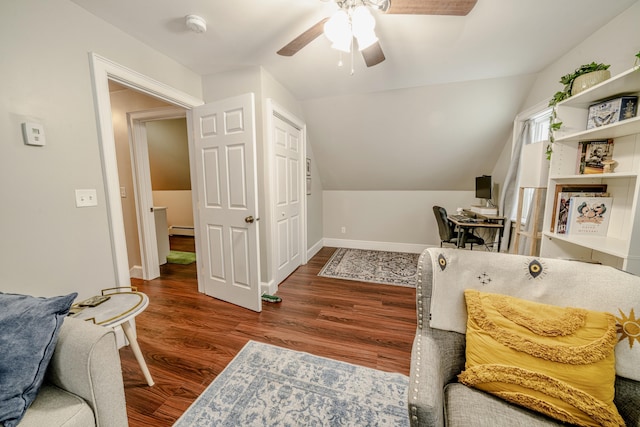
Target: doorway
pixel 222 146
pixel 104 71
pixel 161 180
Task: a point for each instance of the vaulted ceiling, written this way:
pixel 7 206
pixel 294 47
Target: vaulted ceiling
pixel 440 105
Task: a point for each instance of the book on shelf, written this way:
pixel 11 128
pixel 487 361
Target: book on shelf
pixel 563 209
pixel 573 188
pixel 589 216
pixel 592 155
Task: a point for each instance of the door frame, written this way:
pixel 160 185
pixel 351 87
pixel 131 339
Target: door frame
pixel 103 70
pixel 276 110
pixel 141 171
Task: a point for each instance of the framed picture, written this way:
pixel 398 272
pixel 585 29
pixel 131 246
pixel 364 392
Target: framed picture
pixel 308 185
pixel 308 167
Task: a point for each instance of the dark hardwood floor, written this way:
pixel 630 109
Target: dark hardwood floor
pixel 188 338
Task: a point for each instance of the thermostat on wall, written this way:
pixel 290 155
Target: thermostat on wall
pixel 33 133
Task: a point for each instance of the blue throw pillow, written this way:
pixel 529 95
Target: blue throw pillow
pixel 29 329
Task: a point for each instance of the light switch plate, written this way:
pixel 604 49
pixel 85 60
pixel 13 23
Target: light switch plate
pixel 85 198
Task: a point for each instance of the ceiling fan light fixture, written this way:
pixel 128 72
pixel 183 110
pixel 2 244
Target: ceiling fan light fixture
pixel 343 45
pixel 337 27
pixel 362 21
pixel 382 5
pixel 366 40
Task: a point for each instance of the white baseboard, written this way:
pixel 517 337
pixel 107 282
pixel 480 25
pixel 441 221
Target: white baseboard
pixel 181 230
pixel 136 272
pixel 376 246
pixel 314 249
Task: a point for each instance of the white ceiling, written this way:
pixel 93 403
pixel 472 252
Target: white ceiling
pixel 432 116
pixel 498 38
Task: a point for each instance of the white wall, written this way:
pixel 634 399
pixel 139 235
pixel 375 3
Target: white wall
pixel 178 204
pixel 616 44
pixel 387 220
pixel 48 246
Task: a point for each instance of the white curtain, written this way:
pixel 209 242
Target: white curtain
pixel 509 198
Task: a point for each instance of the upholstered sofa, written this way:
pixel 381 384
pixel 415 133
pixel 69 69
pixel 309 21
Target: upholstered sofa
pixel 437 397
pixel 83 384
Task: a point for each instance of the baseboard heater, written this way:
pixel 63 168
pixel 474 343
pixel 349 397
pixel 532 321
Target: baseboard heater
pixel 181 230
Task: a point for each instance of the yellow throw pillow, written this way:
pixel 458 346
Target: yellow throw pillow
pixel 554 360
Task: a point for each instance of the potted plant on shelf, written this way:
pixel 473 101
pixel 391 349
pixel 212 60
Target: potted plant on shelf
pixel 582 78
pixel 587 75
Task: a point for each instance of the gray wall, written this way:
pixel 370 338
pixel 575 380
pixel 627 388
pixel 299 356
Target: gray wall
pixel 48 246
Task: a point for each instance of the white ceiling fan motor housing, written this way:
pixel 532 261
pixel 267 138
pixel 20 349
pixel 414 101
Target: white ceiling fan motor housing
pixel 196 23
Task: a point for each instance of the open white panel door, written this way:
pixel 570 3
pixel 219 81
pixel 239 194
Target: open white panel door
pixel 227 204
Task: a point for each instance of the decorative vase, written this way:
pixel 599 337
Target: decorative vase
pixel 585 81
pixel 609 166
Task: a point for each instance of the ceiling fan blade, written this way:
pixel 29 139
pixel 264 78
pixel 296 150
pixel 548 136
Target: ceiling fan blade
pixel 373 54
pixel 303 39
pixel 432 7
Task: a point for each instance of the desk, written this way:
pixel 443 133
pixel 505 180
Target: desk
pixel 120 310
pixel 482 221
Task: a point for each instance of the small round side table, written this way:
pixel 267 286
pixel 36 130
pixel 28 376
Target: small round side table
pixel 120 309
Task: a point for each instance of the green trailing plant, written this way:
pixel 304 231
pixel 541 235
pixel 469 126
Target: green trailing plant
pixel 567 80
pixel 637 59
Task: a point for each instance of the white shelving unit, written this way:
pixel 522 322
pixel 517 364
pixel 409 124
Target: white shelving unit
pixel 620 248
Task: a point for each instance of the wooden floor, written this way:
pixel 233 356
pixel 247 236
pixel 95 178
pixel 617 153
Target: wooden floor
pixel 188 338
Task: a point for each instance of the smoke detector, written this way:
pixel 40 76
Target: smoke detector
pixel 196 23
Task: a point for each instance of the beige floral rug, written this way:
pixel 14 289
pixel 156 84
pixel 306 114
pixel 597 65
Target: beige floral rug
pixel 387 268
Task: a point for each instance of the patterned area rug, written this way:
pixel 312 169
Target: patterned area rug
pixel 388 268
pixel 265 385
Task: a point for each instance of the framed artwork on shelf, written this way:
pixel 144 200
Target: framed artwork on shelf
pixel 308 167
pixel 593 156
pixel 589 216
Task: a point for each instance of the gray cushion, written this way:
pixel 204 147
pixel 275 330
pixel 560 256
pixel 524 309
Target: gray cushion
pixel 28 333
pixel 465 406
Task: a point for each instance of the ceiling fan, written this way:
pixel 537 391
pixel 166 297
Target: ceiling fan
pixel 369 44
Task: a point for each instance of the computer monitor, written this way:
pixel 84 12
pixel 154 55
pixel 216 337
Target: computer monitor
pixel 483 187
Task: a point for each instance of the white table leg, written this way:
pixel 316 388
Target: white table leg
pixel 133 342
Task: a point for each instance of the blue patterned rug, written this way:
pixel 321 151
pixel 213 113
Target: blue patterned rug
pixel 387 268
pixel 265 385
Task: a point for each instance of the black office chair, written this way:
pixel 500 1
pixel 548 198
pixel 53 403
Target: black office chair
pixel 448 233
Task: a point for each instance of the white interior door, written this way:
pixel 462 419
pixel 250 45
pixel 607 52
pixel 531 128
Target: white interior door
pixel 224 166
pixel 287 142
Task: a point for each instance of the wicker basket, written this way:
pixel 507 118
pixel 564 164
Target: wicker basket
pixel 585 81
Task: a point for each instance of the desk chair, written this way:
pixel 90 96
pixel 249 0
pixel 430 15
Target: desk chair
pixel 448 233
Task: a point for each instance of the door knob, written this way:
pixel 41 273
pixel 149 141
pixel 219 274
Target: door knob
pixel 250 219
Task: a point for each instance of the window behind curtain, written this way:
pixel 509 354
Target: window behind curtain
pixel 539 133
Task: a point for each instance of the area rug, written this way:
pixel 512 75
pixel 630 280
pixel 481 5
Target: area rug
pixel 178 257
pixel 266 385
pixel 389 268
